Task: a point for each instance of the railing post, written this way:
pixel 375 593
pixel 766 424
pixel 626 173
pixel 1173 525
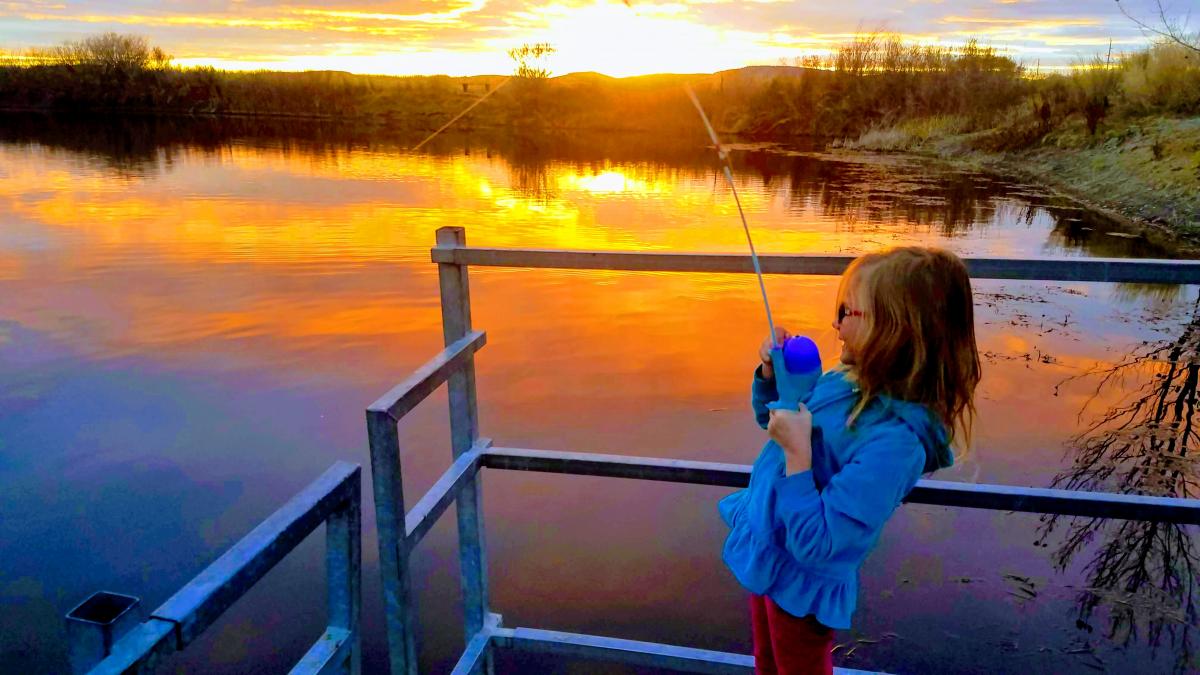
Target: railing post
pixel 96 624
pixel 464 429
pixel 343 574
pixel 393 544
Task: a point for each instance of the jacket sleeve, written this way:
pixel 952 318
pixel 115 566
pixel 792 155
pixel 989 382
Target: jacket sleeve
pixel 847 515
pixel 761 393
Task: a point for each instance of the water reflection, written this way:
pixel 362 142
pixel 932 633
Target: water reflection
pixel 844 201
pixel 1142 576
pixel 189 281
pixel 143 146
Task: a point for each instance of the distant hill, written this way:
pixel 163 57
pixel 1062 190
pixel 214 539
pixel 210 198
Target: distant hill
pixel 748 74
pixel 759 73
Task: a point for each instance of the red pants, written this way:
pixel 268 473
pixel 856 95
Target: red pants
pixel 786 644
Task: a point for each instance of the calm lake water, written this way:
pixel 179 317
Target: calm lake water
pixel 193 317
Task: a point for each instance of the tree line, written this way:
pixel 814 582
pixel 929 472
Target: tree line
pixel 872 82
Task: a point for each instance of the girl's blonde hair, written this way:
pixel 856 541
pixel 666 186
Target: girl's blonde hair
pixel 919 339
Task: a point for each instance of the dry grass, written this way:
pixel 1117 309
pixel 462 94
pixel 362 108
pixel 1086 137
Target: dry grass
pixel 1164 78
pixel 877 81
pixel 910 135
pixel 1147 168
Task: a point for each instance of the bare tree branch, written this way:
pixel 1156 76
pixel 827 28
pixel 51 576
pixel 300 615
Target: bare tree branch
pixel 1141 575
pixel 1173 30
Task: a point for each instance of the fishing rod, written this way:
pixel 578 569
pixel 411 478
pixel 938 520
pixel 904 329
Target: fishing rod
pixel 457 117
pixel 796 362
pixel 712 133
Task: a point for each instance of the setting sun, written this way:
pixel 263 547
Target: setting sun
pixel 611 38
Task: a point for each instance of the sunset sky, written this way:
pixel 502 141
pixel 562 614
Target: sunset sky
pixel 461 37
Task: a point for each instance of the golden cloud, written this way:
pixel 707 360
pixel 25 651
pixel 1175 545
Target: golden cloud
pixel 450 16
pixel 201 21
pixel 1040 24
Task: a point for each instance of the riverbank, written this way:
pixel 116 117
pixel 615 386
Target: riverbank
pixel 1145 170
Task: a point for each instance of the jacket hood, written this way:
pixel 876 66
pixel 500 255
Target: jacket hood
pixel 933 435
pixel 929 430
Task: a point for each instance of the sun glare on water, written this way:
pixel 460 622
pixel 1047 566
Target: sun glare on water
pixel 608 182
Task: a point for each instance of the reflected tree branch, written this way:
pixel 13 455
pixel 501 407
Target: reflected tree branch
pixel 1141 574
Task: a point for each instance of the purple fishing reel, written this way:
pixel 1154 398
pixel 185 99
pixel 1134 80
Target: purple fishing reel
pixel 797 366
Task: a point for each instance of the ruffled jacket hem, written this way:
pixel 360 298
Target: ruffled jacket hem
pixel 766 569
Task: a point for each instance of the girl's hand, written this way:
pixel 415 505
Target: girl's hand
pixel 764 351
pixel 793 432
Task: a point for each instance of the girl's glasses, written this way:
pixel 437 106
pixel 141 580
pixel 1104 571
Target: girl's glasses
pixel 843 311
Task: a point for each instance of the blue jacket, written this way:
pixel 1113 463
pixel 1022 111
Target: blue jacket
pixel 801 539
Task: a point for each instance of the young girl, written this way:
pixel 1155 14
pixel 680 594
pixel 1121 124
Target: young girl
pixel 834 471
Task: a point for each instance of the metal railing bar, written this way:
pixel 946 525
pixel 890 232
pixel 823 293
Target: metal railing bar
pixel 474 655
pixel 615 650
pixel 388 486
pixel 474 658
pixel 634 261
pixel 327 655
pixel 406 395
pixel 195 606
pixel 633 652
pixel 1058 502
pixel 425 514
pixel 454 287
pixel 1041 269
pixel 618 466
pixel 343 577
pixel 933 492
pixel 140 649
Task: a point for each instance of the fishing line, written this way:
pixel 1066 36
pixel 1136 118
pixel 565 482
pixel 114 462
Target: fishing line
pixel 471 107
pixel 721 153
pixel 729 178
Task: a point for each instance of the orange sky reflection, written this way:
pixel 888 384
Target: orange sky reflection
pixel 320 263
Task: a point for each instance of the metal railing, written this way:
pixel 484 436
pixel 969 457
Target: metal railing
pixel 334 499
pixel 399 532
